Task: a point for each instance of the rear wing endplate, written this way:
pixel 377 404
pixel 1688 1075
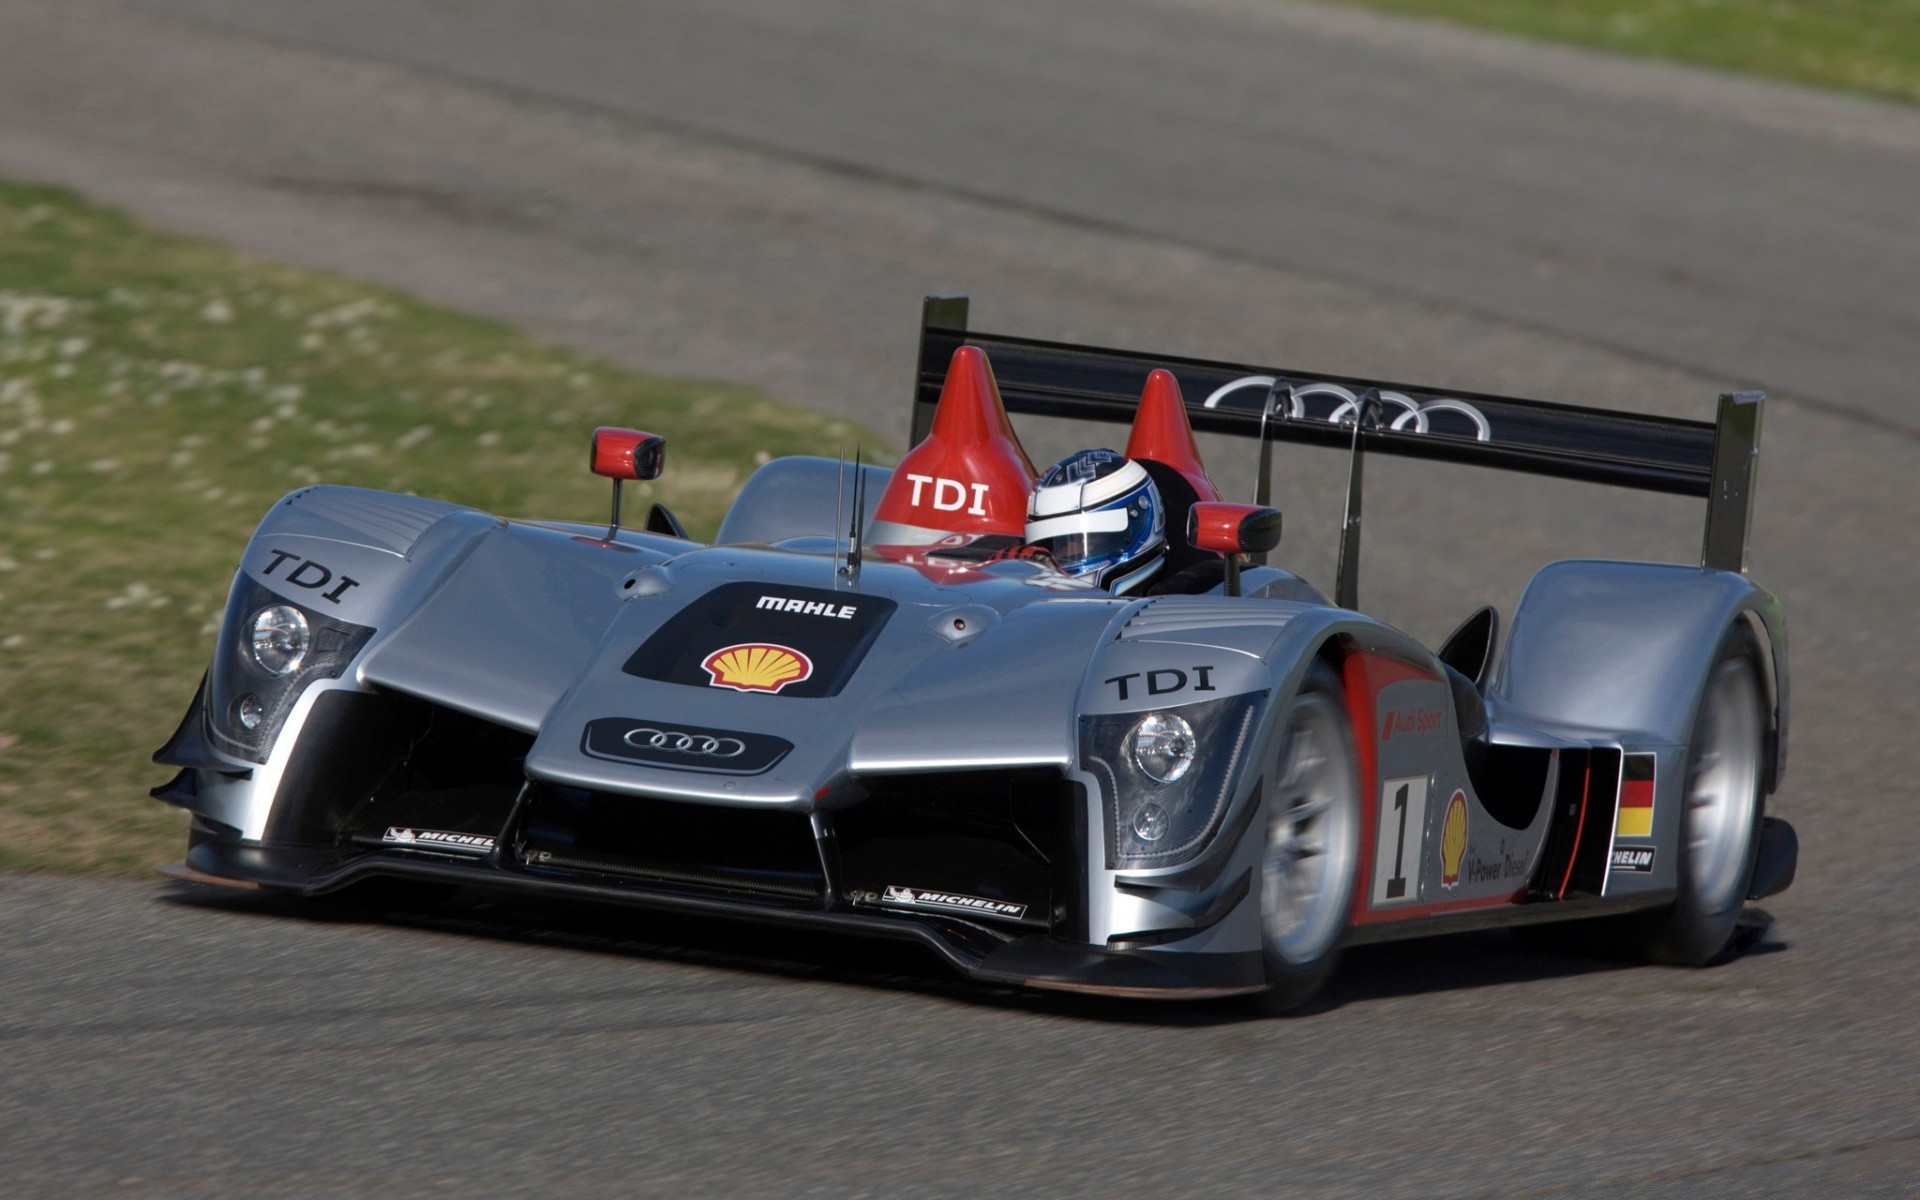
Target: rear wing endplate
pixel 1715 461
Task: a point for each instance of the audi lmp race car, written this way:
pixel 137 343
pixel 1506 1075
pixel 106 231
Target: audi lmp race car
pixel 869 706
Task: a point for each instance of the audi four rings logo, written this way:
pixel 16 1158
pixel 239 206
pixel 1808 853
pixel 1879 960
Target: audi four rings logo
pixel 1412 416
pixel 695 745
pixel 656 743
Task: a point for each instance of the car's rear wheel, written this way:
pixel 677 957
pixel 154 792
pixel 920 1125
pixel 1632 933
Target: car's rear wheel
pixel 1312 843
pixel 1719 838
pixel 1721 815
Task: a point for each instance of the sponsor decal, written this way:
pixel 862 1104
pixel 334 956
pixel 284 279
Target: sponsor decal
pixel 1400 831
pixel 681 747
pixel 1398 411
pixel 902 897
pixel 756 667
pixel 1453 840
pixel 807 608
pixel 1164 680
pixel 308 574
pixel 948 495
pixel 1634 814
pixel 1500 866
pixel 1638 859
pixel 764 637
pixel 1410 720
pixel 438 839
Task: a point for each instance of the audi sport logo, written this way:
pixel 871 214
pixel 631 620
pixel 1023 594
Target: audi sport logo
pixel 1409 415
pixel 694 745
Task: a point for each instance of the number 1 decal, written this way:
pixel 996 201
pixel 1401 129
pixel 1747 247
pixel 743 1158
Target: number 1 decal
pixel 1401 831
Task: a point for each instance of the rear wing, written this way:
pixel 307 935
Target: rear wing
pixel 1715 461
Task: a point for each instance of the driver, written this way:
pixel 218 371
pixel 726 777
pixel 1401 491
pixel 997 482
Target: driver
pixel 1097 513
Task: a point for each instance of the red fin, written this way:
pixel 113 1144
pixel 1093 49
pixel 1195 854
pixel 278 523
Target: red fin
pixel 970 476
pixel 1161 433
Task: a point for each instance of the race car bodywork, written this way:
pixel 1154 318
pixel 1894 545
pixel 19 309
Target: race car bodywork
pixel 1195 793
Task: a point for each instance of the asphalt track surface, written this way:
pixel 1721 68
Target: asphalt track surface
pixel 760 191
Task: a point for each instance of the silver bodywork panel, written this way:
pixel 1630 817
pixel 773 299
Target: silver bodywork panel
pixel 799 496
pixel 1601 646
pixel 512 625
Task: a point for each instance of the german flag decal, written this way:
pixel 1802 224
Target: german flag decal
pixel 1634 816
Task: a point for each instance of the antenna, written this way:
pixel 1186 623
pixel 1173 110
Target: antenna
pixel 851 565
pixel 839 507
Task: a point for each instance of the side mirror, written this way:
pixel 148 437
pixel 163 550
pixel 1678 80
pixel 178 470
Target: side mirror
pixel 623 454
pixel 1233 528
pixel 627 453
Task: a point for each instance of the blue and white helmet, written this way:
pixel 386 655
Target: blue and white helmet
pixel 1097 512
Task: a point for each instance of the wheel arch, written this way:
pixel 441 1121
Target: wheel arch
pixel 1627 647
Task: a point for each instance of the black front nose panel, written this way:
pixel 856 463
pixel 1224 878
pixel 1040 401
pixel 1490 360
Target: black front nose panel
pixel 826 632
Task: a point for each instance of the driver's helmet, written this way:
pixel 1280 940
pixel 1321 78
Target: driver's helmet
pixel 1097 513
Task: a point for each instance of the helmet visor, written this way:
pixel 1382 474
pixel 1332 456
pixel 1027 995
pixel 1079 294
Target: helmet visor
pixel 1076 552
pixel 1092 541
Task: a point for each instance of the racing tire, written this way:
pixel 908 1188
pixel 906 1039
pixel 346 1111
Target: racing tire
pixel 1719 842
pixel 1725 802
pixel 1312 843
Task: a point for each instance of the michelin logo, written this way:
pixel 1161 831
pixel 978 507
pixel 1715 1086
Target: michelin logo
pixel 1638 859
pixel 807 608
pixel 439 839
pixel 900 897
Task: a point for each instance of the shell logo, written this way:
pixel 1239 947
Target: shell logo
pixel 1453 840
pixel 756 667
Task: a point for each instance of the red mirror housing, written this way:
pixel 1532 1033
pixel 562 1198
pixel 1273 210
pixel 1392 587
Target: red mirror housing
pixel 1233 528
pixel 627 453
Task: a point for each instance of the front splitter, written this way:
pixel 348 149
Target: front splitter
pixel 974 949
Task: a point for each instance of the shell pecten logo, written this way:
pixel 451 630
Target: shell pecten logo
pixel 1453 840
pixel 756 667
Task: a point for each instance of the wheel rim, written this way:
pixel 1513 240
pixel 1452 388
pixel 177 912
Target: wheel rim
pixel 1310 843
pixel 1723 786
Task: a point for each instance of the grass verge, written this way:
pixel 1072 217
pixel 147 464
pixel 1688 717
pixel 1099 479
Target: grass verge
pixel 1866 46
pixel 158 393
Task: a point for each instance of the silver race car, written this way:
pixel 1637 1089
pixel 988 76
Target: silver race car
pixel 1065 729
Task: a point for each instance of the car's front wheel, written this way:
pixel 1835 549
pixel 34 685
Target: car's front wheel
pixel 1312 843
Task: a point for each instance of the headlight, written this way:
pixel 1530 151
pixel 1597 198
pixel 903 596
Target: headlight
pixel 270 649
pixel 249 712
pixel 1162 745
pixel 1167 775
pixel 278 638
